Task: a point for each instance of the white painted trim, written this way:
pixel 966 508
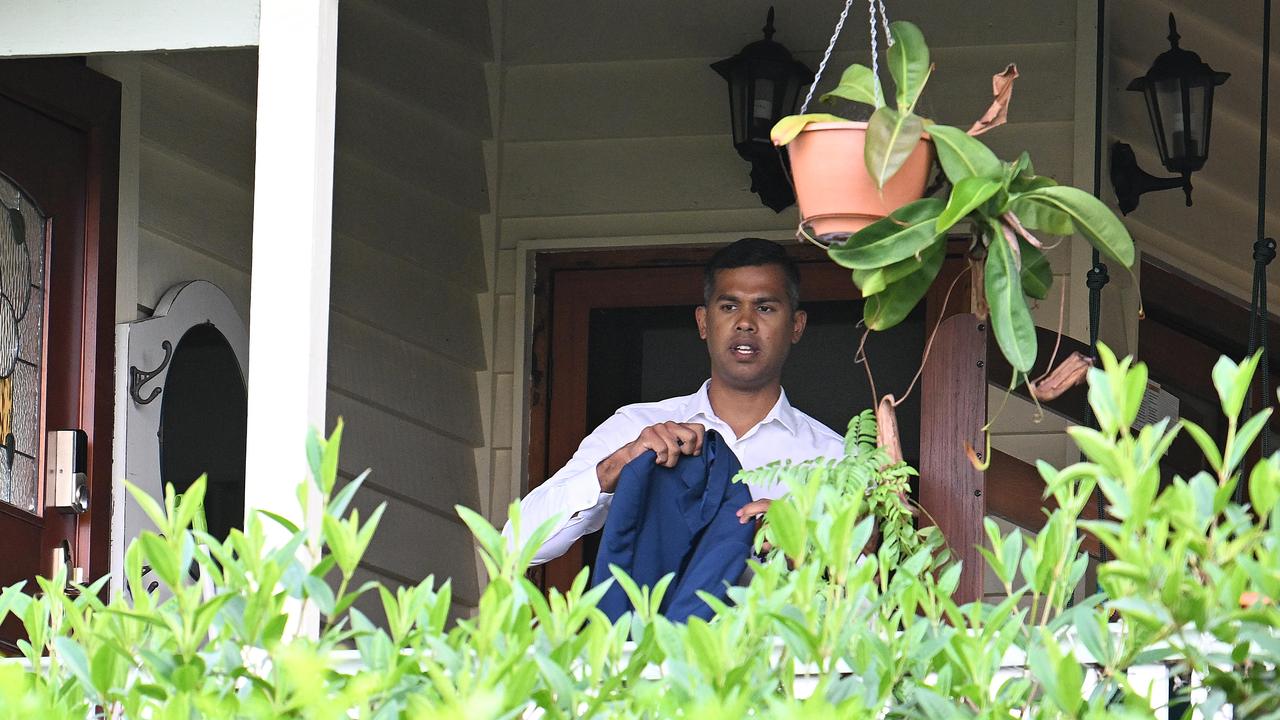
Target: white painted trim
pixel 127 70
pixel 82 27
pixel 524 254
pixel 292 239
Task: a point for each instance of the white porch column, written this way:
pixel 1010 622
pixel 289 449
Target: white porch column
pixel 293 191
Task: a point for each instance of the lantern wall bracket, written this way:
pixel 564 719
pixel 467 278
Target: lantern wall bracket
pixel 1131 181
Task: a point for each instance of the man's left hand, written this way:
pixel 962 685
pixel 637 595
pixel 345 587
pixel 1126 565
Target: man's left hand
pixel 753 510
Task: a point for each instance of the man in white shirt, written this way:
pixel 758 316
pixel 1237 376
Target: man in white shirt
pixel 750 320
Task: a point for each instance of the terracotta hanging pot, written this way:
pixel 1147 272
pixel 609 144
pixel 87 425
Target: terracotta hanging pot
pixel 836 194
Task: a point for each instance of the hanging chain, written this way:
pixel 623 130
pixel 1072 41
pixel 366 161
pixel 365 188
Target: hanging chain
pixel 804 108
pixel 872 11
pixel 888 36
pixel 875 49
pixel 884 22
pixel 874 8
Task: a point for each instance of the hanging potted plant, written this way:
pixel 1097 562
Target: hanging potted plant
pixel 896 256
pixel 849 174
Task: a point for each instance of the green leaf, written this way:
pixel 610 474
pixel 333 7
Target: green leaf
pixel 149 506
pixel 104 666
pixel 1037 276
pixel 790 126
pixel 908 63
pixel 963 155
pixel 870 282
pixel 1091 217
pixel 280 520
pixel 329 460
pixel 1135 388
pixel 314 450
pixel 1010 317
pixel 1208 446
pixel 72 655
pixel 340 540
pixel 365 536
pixel 891 137
pixel 162 557
pixel 339 503
pixel 1025 181
pixel 1070 682
pixel 907 232
pixel 1264 487
pixel 319 592
pixel 192 504
pixel 1245 437
pixel 1038 216
pixel 1232 382
pixel 557 680
pixel 891 306
pixel 1142 610
pixel 965 197
pixel 490 539
pixel 206 613
pixel 1020 167
pixel 858 84
pixel 629 586
pixel 784 524
pixel 13 600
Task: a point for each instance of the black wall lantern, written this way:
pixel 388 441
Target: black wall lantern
pixel 1179 93
pixel 764 84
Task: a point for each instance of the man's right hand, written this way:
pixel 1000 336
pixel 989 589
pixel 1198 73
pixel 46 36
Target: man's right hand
pixel 668 440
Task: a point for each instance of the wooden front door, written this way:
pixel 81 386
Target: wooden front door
pixel 616 327
pixel 59 138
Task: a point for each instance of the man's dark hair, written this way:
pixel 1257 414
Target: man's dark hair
pixel 752 252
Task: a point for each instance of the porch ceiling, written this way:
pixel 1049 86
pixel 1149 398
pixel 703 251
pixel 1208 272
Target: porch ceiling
pixel 612 30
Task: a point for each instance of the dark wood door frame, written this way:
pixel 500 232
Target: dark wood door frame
pixel 1188 325
pixel 560 323
pixel 70 93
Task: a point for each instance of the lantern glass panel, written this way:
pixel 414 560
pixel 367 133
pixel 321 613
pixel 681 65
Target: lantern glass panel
pixel 762 104
pixel 738 102
pixel 772 97
pixel 1200 97
pixel 1172 130
pixel 789 93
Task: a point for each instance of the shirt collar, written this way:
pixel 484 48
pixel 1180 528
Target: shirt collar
pixel 699 403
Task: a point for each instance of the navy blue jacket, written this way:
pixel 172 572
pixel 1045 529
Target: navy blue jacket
pixel 681 520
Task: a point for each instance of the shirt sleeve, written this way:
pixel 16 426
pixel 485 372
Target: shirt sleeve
pixel 572 496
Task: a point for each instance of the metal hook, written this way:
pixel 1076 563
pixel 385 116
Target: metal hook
pixel 138 378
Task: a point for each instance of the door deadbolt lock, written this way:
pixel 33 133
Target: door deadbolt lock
pixel 66 474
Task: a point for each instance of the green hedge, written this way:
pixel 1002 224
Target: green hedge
pixel 876 630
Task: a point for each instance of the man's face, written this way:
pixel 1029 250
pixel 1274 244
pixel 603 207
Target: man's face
pixel 749 326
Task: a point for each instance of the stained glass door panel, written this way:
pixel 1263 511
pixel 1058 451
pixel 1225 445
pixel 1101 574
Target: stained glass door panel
pixel 23 233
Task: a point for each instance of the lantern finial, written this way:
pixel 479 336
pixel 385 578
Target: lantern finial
pixel 1174 37
pixel 768 25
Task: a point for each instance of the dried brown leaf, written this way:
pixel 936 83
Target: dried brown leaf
pixel 1017 225
pixel 887 428
pixel 998 113
pixel 1070 372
